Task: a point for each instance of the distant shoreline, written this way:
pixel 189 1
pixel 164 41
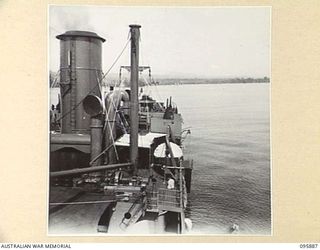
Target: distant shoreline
pixel 177 81
pixel 198 81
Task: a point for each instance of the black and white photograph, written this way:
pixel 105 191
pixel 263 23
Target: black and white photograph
pixel 159 120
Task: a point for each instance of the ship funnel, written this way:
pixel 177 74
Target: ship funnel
pixel 93 105
pixel 80 74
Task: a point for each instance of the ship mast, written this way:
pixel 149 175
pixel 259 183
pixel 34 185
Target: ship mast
pixel 134 102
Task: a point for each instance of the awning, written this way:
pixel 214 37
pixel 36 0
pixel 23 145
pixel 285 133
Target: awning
pixel 144 141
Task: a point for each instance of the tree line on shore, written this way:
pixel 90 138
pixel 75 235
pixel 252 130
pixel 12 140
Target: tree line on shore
pixel 54 80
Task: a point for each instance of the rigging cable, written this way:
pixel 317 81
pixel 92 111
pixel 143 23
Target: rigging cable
pixel 55 78
pixel 112 127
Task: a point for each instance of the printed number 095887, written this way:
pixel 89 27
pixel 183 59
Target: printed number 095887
pixel 308 245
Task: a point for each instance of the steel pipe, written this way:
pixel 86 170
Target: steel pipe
pixel 89 169
pixel 70 139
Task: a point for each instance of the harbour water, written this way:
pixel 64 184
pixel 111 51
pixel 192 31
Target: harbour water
pixel 230 146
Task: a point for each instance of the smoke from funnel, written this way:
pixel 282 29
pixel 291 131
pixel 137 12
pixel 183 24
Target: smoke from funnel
pixel 71 18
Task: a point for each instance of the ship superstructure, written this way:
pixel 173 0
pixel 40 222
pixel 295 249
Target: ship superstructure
pixel 116 160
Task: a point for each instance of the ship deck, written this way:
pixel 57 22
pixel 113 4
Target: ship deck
pixel 74 211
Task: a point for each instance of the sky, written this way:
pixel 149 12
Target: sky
pixel 202 42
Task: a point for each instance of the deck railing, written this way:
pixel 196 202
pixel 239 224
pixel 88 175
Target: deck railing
pixel 164 199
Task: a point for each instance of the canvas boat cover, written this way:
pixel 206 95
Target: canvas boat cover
pixel 160 151
pixel 144 141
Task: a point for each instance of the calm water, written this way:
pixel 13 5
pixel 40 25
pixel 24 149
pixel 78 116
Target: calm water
pixel 230 145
